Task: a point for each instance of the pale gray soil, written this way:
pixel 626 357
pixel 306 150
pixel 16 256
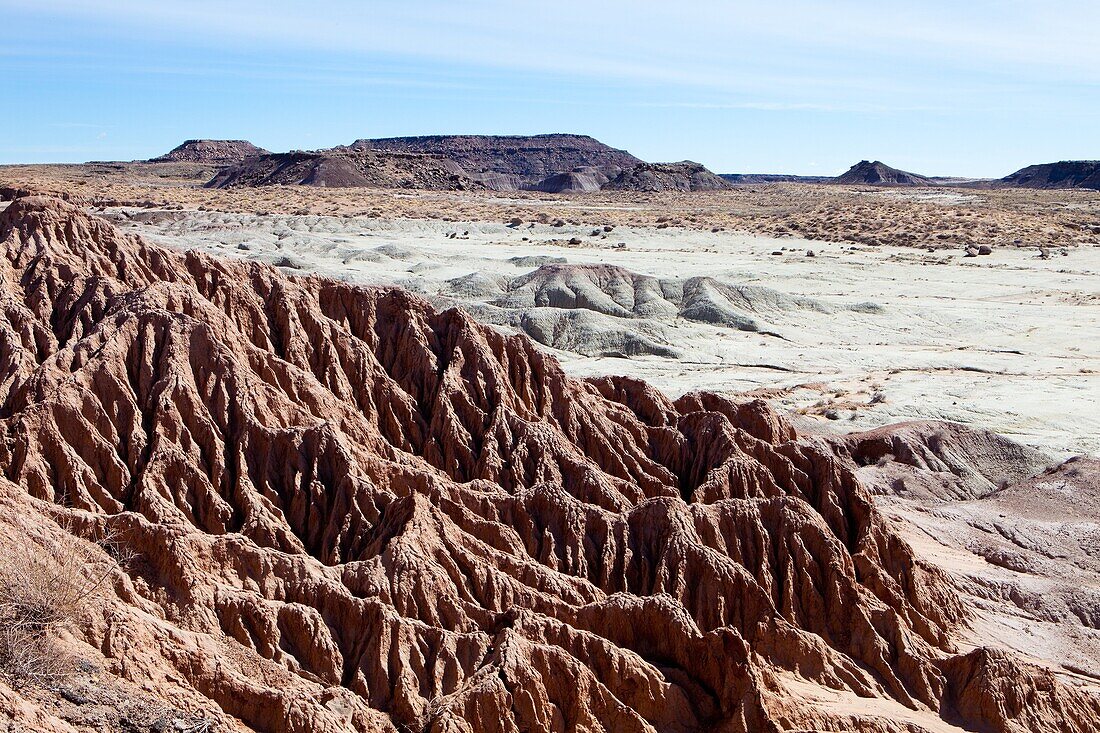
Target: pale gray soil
pixel 869 335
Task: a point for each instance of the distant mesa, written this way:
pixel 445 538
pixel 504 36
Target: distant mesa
pixel 345 170
pixel 531 157
pixel 748 178
pixel 551 163
pixel 1064 174
pixel 494 181
pixel 877 173
pixel 556 163
pixel 210 151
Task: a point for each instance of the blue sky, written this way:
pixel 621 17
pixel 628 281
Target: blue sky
pixel 976 88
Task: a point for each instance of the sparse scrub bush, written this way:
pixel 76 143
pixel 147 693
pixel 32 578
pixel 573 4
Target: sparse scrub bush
pixel 44 590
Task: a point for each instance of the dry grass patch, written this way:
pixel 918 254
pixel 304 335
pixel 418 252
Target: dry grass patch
pixel 45 589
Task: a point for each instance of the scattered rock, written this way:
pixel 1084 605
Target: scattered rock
pixel 210 151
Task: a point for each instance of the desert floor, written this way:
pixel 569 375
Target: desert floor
pixel 887 321
pixel 851 338
pixel 1007 342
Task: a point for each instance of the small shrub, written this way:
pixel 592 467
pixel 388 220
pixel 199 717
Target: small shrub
pixel 43 591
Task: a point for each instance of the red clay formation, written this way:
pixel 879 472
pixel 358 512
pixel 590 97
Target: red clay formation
pixel 350 512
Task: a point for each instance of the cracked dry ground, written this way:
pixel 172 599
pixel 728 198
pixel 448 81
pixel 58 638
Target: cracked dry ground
pixel 347 511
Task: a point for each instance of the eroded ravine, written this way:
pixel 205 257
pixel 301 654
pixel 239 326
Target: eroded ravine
pixel 350 510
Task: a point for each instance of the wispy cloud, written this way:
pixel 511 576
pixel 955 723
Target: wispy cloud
pixel 790 107
pixel 643 69
pixel 76 125
pixel 710 43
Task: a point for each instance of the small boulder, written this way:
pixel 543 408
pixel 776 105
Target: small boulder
pixel 985 249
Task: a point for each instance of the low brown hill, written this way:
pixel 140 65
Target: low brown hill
pixel 210 151
pixel 683 176
pixel 345 170
pixel 349 511
pixel 877 173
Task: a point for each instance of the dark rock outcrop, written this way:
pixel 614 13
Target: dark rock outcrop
pixel 345 170
pixel 1064 174
pixel 210 151
pixel 683 176
pixel 532 157
pixel 877 173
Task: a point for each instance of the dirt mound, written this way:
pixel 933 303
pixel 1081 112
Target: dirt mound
pixel 568 182
pixel 683 176
pixel 591 333
pixel 348 510
pixel 1065 174
pixel 210 151
pixel 940 460
pixel 1019 535
pixel 616 291
pixel 533 157
pixel 607 310
pixel 345 170
pixel 877 173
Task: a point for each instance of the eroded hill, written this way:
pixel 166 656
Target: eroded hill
pixel 346 509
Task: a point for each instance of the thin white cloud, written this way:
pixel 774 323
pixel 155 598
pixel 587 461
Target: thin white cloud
pixel 76 125
pixel 1007 64
pixel 706 42
pixel 761 106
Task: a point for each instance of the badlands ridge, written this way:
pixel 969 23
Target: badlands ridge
pixel 335 507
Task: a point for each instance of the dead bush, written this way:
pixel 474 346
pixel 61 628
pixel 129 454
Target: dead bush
pixel 45 588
